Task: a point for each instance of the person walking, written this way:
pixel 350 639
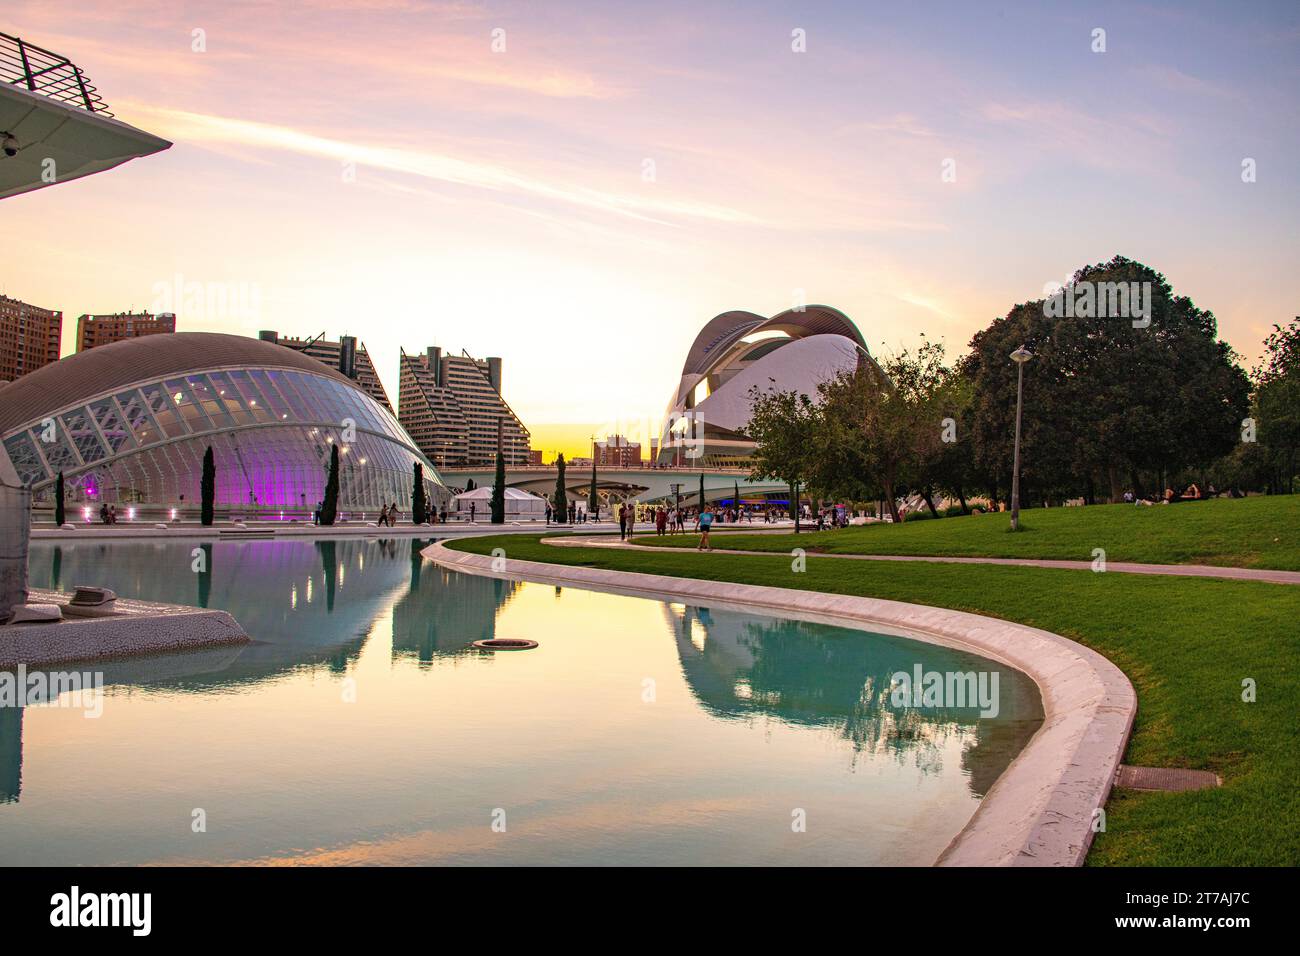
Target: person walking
pixel 548 513
pixel 661 521
pixel 383 516
pixel 705 523
pixel 471 512
pixel 631 519
pixel 622 522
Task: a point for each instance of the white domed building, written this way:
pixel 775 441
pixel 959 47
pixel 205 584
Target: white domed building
pixel 737 352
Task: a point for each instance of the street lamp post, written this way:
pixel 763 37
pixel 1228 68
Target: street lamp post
pixel 1020 356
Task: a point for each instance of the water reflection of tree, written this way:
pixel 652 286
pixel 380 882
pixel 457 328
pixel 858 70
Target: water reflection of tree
pixel 442 612
pixel 11 753
pixel 742 667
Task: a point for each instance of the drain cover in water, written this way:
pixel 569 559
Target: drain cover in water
pixel 505 644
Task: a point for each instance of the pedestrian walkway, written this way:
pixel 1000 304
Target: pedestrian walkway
pixel 1123 567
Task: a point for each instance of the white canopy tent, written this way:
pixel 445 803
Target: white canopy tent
pixel 520 505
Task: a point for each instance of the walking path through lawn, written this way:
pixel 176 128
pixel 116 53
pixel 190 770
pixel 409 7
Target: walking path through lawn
pixel 1124 567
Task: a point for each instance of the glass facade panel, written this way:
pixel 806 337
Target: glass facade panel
pixel 230 398
pixel 163 410
pixel 191 411
pixel 111 425
pixel 253 398
pixel 136 417
pixel 83 435
pixel 22 452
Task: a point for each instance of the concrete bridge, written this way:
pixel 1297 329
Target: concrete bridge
pixel 615 485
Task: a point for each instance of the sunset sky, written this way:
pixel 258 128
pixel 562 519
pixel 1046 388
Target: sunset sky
pixel 582 201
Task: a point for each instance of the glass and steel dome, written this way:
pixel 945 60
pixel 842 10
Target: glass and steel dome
pixel 130 422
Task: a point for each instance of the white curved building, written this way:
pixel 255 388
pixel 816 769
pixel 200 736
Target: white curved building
pixel 738 351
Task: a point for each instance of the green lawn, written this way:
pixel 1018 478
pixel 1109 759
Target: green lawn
pixel 1247 532
pixel 1185 644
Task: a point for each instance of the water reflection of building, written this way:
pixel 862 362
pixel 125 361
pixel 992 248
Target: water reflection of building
pixel 740 667
pixel 442 612
pixel 303 602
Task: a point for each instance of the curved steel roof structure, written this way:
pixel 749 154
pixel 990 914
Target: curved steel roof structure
pixel 109 367
pixel 736 351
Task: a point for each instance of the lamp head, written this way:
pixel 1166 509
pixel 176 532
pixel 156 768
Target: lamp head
pixel 1021 355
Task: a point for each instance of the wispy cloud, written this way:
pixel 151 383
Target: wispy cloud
pixel 200 127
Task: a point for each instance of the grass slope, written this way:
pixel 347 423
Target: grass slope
pixel 1247 532
pixel 1185 644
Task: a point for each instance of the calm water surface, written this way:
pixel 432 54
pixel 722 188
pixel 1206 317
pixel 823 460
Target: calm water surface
pixel 358 728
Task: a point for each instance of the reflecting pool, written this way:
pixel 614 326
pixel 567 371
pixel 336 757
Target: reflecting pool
pixel 358 727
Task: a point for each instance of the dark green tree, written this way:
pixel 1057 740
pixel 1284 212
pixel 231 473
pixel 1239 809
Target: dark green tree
pixel 785 425
pixel 330 507
pixel 1277 407
pixel 1109 404
pixel 561 500
pixel 701 492
pixel 59 514
pixel 470 485
pixel 419 504
pixel 736 496
pixel 593 502
pixel 207 489
pixel 499 491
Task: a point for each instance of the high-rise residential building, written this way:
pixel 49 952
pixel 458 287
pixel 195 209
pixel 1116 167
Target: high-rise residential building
pixel 617 452
pixel 93 330
pixel 29 337
pixel 345 355
pixel 451 405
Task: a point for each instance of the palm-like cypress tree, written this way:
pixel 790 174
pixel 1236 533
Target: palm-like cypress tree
pixel 499 491
pixel 419 506
pixel 561 501
pixel 59 514
pixel 470 485
pixel 701 492
pixel 207 488
pixel 330 506
pixel 593 503
pixel 736 497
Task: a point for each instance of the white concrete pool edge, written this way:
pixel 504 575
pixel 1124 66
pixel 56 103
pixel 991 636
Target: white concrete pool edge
pixel 1041 810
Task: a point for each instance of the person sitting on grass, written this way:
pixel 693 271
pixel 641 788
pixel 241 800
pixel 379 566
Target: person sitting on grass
pixel 706 522
pixel 1193 493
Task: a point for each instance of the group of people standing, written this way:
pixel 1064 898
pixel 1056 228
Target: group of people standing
pixel 569 514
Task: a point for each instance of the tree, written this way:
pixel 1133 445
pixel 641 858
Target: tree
pixel 1277 406
pixel 470 485
pixel 952 470
pixel 207 488
pixel 330 505
pixel 1107 401
pixel 736 496
pixel 593 503
pixel 499 491
pixel 59 514
pixel 785 426
pixel 701 492
pixel 871 424
pixel 419 504
pixel 561 501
